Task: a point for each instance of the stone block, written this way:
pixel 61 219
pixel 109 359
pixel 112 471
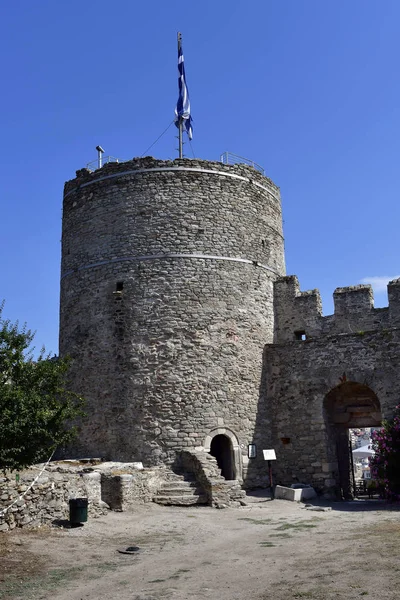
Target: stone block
pixel 286 493
pixel 307 491
pixel 295 494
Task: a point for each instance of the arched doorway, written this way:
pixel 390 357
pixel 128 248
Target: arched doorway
pixel 234 464
pixel 221 449
pixel 348 406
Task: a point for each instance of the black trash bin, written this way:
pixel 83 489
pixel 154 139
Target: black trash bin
pixel 78 510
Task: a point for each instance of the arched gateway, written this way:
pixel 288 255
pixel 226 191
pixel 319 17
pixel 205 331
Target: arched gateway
pixel 347 406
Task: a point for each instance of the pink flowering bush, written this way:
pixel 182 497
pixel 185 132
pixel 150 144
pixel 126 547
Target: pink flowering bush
pixel 385 464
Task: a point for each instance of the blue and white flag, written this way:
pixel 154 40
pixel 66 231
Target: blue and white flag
pixel 182 110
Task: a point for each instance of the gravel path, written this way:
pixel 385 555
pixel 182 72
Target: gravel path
pixel 268 549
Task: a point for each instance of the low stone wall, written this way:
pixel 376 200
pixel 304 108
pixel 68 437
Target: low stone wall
pixel 47 500
pixel 124 490
pixel 116 486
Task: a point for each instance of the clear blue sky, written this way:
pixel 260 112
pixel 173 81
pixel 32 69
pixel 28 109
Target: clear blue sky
pixel 309 89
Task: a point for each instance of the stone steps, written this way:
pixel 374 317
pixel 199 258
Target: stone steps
pixel 181 500
pixel 177 479
pixel 180 490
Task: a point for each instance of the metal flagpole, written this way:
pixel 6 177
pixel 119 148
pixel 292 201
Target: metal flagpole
pixel 180 129
pixel 180 122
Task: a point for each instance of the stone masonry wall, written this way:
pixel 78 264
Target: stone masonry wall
pixel 167 302
pixel 297 311
pixel 47 500
pixel 115 486
pixel 298 376
pixel 123 490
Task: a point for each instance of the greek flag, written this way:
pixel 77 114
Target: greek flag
pixel 182 110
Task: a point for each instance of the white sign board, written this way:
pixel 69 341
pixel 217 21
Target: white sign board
pixel 269 454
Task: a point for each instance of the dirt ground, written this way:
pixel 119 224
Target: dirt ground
pixel 268 549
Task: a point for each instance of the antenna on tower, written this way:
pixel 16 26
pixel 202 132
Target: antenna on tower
pixel 100 153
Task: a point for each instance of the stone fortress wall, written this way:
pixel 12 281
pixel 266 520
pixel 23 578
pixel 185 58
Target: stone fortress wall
pixel 324 375
pixel 299 312
pixel 166 304
pixel 184 328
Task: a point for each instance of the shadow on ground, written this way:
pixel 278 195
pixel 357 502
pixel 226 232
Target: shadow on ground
pixel 65 524
pixel 357 505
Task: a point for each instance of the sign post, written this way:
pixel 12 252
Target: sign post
pixel 269 455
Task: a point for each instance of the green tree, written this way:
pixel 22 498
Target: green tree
pixel 36 409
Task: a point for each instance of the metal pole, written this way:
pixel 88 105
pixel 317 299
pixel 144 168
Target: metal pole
pixel 180 123
pixel 270 480
pixel 352 470
pixel 180 138
pixel 100 152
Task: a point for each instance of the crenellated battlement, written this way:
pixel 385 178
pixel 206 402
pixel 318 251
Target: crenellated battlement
pixel 298 315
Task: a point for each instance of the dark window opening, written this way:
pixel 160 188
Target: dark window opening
pixel 263 243
pixel 120 286
pixel 300 335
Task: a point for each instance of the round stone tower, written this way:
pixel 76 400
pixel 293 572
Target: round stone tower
pixel 166 304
